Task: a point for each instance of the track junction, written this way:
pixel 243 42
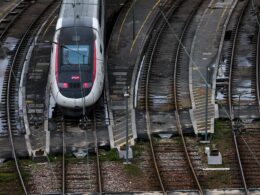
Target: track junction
pixel 191 70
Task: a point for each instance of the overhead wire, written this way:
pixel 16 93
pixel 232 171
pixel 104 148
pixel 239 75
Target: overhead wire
pixel 78 52
pixel 197 68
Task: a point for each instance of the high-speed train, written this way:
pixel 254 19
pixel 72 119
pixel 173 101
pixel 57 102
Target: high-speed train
pixel 77 58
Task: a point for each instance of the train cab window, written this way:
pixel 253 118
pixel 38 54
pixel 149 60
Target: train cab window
pixel 76 64
pixel 76 48
pixel 75 54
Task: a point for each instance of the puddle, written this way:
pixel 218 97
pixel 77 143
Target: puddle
pixel 7 47
pixel 244 62
pixel 220 96
pixel 10 43
pixel 221 71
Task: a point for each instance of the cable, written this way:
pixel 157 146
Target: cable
pixel 184 48
pixel 77 44
pixel 255 10
pixel 250 150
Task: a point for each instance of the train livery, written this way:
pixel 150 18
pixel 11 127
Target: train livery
pixel 77 58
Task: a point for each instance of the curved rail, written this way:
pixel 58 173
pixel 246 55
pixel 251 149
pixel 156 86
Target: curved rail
pixel 14 17
pixel 11 135
pixel 11 76
pixel 257 68
pixel 97 152
pixel 63 126
pixel 257 53
pixel 230 95
pixel 148 121
pixel 176 98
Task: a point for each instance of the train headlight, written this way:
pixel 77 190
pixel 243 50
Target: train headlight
pixel 87 85
pixel 63 85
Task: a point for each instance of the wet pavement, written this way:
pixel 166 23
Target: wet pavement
pixel 75 139
pixel 244 98
pixel 6 6
pixel 203 63
pixel 126 42
pixel 5 54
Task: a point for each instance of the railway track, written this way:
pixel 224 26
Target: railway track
pixel 255 10
pixel 10 179
pixel 14 68
pixel 11 17
pixel 82 174
pixel 246 123
pixel 162 104
pixel 35 89
pixel 242 92
pixel 12 75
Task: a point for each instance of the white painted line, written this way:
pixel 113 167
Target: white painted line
pixel 207 53
pixel 137 82
pixel 216 169
pixel 22 103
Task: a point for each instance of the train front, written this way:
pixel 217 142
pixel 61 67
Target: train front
pixel 77 67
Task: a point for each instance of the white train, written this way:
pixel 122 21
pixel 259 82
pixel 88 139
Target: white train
pixel 77 58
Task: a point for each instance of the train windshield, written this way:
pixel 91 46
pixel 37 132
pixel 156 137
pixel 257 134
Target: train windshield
pixel 76 63
pixel 76 54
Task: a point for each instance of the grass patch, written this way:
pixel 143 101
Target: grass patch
pixel 222 136
pixel 25 175
pixel 54 158
pixel 137 150
pixel 111 155
pixel 156 140
pixel 217 179
pixel 133 170
pixel 8 163
pixel 27 162
pixel 178 140
pixel 69 156
pixel 7 177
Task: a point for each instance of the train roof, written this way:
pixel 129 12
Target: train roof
pixel 78 13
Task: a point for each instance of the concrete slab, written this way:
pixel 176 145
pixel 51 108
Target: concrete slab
pixel 204 54
pixel 125 44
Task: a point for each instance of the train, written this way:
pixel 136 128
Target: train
pixel 77 56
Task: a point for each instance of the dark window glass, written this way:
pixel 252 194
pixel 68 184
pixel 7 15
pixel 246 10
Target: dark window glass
pixel 75 55
pixel 76 61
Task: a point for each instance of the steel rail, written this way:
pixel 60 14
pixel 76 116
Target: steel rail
pixel 11 76
pixel 63 127
pixel 14 17
pixel 11 135
pixel 230 95
pixel 99 177
pixel 257 67
pixel 254 7
pixel 8 112
pixel 257 53
pixel 148 121
pixel 11 10
pixel 187 23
